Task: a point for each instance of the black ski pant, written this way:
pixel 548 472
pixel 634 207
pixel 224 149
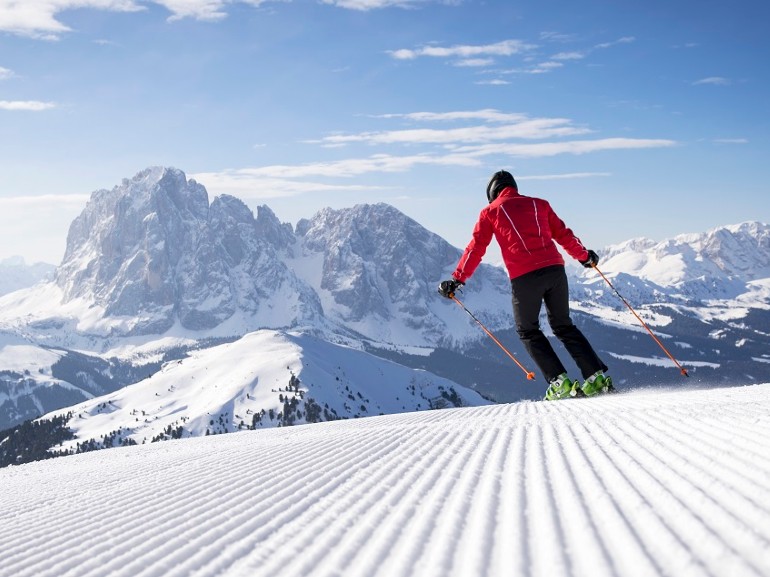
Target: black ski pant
pixel 549 285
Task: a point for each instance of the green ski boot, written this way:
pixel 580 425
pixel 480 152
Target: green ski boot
pixel 562 387
pixel 598 383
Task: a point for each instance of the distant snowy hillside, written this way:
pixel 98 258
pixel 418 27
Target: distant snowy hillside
pixel 16 274
pixel 714 264
pixel 265 379
pixel 641 484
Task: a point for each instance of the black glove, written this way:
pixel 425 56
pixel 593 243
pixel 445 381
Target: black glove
pixel 447 288
pixel 591 261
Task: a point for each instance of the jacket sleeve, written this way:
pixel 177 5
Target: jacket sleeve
pixel 474 252
pixel 565 237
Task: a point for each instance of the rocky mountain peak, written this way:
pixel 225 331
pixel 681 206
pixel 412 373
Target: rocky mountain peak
pixel 154 250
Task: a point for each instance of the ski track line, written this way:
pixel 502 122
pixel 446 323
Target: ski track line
pixel 411 540
pixel 545 539
pixel 323 540
pixel 647 505
pixel 206 539
pixel 587 512
pixel 673 494
pixel 246 529
pixel 744 472
pixel 621 540
pixel 728 515
pixel 639 484
pixel 146 547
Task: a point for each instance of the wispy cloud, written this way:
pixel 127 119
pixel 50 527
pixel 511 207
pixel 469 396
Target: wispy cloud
pixel 365 5
pixel 279 181
pixel 623 40
pixel 486 115
pixel 26 105
pixel 474 62
pixel 551 36
pixel 566 176
pixel 731 140
pixel 714 81
pixel 493 82
pixel 463 51
pixel 499 135
pixel 6 73
pixel 522 128
pixel 569 56
pixel 546 149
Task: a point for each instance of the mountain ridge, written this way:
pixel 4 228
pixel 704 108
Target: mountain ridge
pixel 154 271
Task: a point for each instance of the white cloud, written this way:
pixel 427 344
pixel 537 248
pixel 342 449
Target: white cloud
pixel 623 40
pixel 364 5
pixel 526 128
pixel 26 105
pixel 569 56
pixel 279 181
pixel 465 51
pixel 276 181
pixel 545 67
pixel 6 73
pixel 40 19
pixel 207 10
pixel 546 149
pixel 713 80
pixel 469 62
pixel 566 176
pixel 467 146
pixel 731 140
pixel 486 114
pixel 493 82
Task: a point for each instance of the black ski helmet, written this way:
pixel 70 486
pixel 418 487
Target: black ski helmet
pixel 498 182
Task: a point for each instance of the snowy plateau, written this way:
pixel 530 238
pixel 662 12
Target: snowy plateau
pixel 645 483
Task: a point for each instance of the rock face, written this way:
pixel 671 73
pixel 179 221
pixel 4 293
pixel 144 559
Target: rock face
pixel 154 249
pixel 380 264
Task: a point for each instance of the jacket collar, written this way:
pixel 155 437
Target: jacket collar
pixel 508 192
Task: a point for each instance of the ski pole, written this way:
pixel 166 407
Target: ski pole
pixel 670 356
pixel 530 375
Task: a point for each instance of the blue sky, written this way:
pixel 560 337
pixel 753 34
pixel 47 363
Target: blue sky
pixel 633 118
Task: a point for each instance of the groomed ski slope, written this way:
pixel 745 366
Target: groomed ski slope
pixel 641 483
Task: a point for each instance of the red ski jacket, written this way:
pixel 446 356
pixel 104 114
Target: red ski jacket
pixel 525 228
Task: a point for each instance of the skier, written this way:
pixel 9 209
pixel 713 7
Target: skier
pixel 526 228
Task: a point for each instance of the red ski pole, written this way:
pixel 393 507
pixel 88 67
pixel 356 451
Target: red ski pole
pixel 665 350
pixel 530 375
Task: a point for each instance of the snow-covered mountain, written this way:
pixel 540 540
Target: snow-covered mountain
pixel 16 274
pixel 152 253
pixel 647 483
pixel 717 264
pixel 153 270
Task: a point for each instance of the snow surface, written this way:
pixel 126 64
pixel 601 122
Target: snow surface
pixel 642 483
